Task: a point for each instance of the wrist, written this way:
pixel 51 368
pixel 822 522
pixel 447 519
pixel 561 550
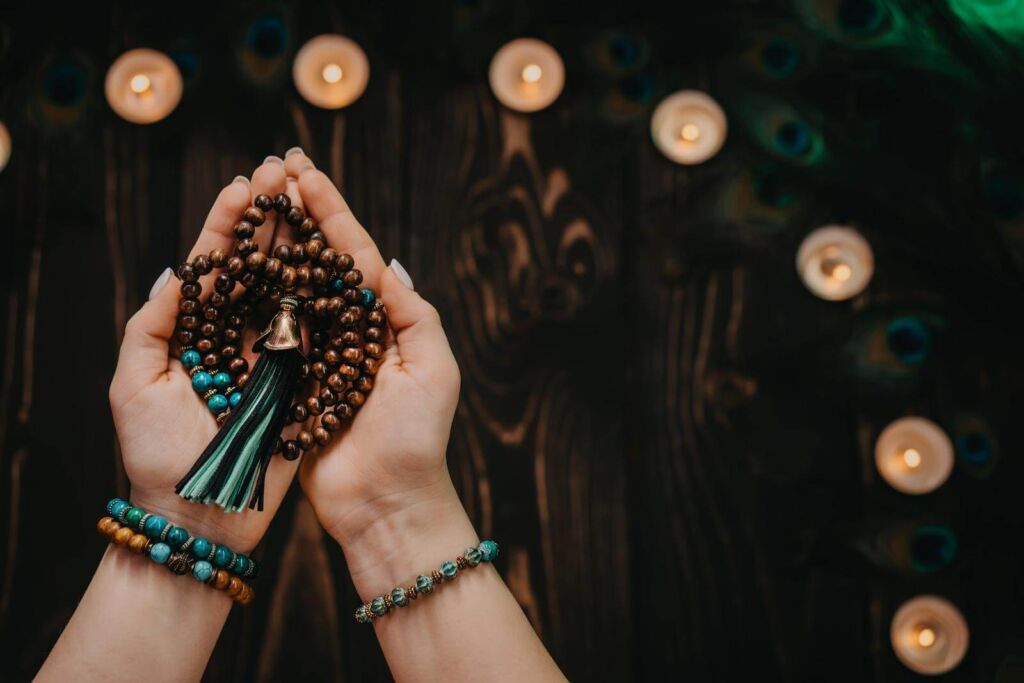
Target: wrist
pixel 201 521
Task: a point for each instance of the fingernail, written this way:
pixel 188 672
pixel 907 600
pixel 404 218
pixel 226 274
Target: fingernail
pixel 240 179
pixel 160 282
pixel 273 160
pixel 401 273
pixel 293 150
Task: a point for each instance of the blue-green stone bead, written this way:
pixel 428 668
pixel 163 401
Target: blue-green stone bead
pixel 222 380
pixel 399 597
pixel 201 382
pixel 117 507
pixel 202 570
pixel 154 526
pixel 222 557
pixel 488 551
pixel 201 548
pixel 362 616
pixel 217 403
pixel 190 359
pixel 449 570
pixel 368 297
pixel 160 552
pixel 424 584
pixel 176 536
pixel 337 285
pixel 133 516
pixel 473 556
pixel 114 502
pixel 234 399
pixel 378 606
pixel 241 564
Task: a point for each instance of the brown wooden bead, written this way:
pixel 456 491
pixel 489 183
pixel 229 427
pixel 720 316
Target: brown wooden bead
pixel 188 322
pixel 295 215
pixel 314 405
pixel 234 586
pixel 202 264
pixel 245 596
pixel 291 450
pixel 303 275
pixel 211 312
pixel 307 227
pixel 344 411
pixel 330 422
pixel 306 440
pixel 246 247
pixel 263 202
pixel 370 366
pixel 123 535
pixel 137 543
pixel 218 257
pixel 220 579
pixel 188 306
pixel 235 321
pixel 376 317
pixel 364 384
pixel 344 262
pixel 244 230
pixel 374 350
pixel 255 215
pixel 319 275
pixel 282 202
pixel 300 412
pixel 187 273
pixel 332 357
pixel 320 306
pixel 335 305
pixel 313 249
pixel 232 336
pixel 283 252
pixel 352 278
pixel 229 351
pixel 242 379
pixel 327 397
pixel 315 354
pixel 235 265
pixel 224 284
pixel 256 261
pixel 349 338
pixel 374 334
pixel 204 345
pixel 211 360
pixel 106 525
pixel 190 290
pixel 352 295
pixel 288 277
pixel 299 254
pixel 219 300
pixel 355 398
pixel 337 383
pixel 186 337
pixel 272 271
pixel 304 371
pixel 349 372
pixel 322 436
pixel 238 365
pixel 326 257
pixel 209 329
pixel 319 369
pixel 353 355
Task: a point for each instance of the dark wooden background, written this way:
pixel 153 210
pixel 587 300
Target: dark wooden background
pixel 668 435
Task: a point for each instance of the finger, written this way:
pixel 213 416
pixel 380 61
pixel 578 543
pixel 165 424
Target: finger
pixel 296 161
pixel 269 179
pixel 341 229
pixel 422 344
pixel 144 348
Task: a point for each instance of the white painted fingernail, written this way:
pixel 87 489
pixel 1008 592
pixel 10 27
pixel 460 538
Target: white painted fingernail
pixel 293 150
pixel 160 282
pixel 273 160
pixel 240 179
pixel 401 273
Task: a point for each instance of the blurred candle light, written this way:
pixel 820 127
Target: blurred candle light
pixel 914 455
pixel 5 146
pixel 527 75
pixel 835 262
pixel 331 71
pixel 688 127
pixel 929 635
pixel 143 86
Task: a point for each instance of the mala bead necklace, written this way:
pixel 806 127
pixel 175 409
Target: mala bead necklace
pixel 346 333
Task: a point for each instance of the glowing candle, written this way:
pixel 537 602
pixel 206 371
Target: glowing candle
pixel 688 127
pixel 143 86
pixel 929 635
pixel 331 71
pixel 914 455
pixel 5 146
pixel 835 262
pixel 527 75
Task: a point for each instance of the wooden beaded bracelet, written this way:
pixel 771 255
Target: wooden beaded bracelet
pixel 400 596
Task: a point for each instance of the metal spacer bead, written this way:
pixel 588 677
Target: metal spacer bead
pixel 213 551
pixel 231 565
pixel 166 530
pixel 188 543
pixel 142 522
pixel 194 369
pixel 412 592
pixel 122 516
pixel 369 613
pixel 460 562
pixel 388 602
pixel 438 577
pixel 223 416
pixel 149 546
pixel 209 393
pixel 251 569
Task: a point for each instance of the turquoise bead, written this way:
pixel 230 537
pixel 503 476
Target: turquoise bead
pixel 488 551
pixel 222 380
pixel 160 552
pixel 202 571
pixel 337 285
pixel 114 502
pixel 190 359
pixel 176 536
pixel 201 382
pixel 117 507
pixel 155 526
pixel 362 616
pixel 133 516
pixel 222 556
pixel 399 597
pixel 449 570
pixel 378 606
pixel 202 548
pixel 473 556
pixel 368 297
pixel 424 584
pixel 241 564
pixel 235 398
pixel 217 403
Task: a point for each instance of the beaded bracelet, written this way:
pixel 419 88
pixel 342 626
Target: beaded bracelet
pixel 487 551
pixel 177 538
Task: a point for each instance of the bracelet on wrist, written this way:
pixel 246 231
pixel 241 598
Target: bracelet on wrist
pixel 178 550
pixel 400 596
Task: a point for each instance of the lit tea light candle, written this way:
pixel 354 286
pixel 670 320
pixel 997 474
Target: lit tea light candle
pixel 143 86
pixel 835 262
pixel 527 75
pixel 331 71
pixel 914 455
pixel 5 146
pixel 688 127
pixel 929 635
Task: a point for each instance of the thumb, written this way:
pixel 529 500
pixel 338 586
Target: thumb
pixel 422 344
pixel 144 348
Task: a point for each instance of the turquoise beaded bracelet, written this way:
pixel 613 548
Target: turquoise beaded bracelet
pixel 206 553
pixel 487 551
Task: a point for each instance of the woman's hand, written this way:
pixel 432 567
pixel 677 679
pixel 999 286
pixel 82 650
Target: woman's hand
pixel 162 424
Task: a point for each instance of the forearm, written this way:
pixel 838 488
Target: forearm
pixel 138 621
pixel 469 629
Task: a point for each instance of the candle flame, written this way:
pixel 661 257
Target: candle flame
pixel 926 637
pixel 690 132
pixel 912 458
pixel 140 83
pixel 332 73
pixel 532 73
